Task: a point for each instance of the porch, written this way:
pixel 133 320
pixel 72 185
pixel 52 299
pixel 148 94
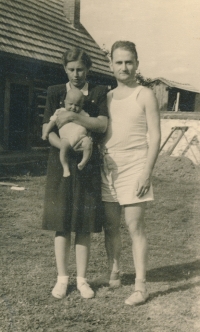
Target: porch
pixel 32 161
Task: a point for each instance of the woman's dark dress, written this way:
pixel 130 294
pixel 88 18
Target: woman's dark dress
pixel 78 209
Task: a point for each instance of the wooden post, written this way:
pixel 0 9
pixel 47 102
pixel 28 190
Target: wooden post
pixel 177 102
pixel 7 114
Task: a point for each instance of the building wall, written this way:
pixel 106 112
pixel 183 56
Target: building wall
pixel 197 103
pixel 1 111
pixel 162 95
pixel 164 101
pixel 189 145
pixel 37 76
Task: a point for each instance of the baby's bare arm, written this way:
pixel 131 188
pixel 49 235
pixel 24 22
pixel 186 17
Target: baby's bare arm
pixel 47 129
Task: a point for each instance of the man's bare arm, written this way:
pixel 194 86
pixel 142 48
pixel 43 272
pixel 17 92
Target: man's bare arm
pixel 148 102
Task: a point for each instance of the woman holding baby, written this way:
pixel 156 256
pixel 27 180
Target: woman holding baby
pixel 73 203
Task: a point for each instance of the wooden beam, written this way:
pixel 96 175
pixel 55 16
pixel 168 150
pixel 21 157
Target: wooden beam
pixel 6 113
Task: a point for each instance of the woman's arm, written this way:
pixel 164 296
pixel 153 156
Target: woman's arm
pixel 149 103
pixel 98 124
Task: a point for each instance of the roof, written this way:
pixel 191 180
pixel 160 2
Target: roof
pixel 172 84
pixel 38 29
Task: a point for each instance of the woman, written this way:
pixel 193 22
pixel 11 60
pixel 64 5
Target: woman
pixel 128 164
pixel 73 203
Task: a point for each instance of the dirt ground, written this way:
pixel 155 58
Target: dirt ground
pixel 28 263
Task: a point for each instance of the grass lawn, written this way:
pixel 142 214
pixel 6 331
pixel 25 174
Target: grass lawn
pixel 29 273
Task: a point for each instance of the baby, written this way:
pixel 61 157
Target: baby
pixel 70 133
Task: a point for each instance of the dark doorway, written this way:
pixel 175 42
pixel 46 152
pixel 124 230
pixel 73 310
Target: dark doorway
pixel 172 100
pixel 18 123
pixel 186 101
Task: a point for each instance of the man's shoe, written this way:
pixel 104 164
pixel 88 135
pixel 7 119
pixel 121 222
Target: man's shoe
pixel 102 280
pixel 137 298
pixel 114 281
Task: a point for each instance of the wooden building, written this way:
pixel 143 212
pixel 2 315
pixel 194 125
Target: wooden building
pixel 173 96
pixel 33 36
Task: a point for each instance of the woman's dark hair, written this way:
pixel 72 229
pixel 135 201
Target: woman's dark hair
pixel 127 45
pixel 76 54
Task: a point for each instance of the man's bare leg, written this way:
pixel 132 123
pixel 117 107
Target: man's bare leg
pixel 113 240
pixel 112 234
pixel 134 218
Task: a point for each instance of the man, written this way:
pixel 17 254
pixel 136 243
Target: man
pixel 128 164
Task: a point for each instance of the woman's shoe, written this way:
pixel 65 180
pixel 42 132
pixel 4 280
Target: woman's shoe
pixel 137 298
pixel 59 291
pixel 85 290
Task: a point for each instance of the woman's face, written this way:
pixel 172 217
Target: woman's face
pixel 124 65
pixel 76 72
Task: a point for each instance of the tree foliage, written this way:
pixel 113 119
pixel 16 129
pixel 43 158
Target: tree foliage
pixel 143 80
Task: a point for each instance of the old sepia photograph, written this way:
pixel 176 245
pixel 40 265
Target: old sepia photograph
pixel 100 165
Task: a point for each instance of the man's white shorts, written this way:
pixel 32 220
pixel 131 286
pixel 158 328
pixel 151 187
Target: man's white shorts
pixel 120 173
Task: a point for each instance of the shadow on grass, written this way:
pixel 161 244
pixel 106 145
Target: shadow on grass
pixel 71 288
pixel 174 290
pixel 168 273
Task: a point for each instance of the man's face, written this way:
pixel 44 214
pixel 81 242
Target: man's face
pixel 124 65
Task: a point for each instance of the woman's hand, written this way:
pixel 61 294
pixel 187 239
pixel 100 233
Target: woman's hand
pixel 63 117
pixel 144 183
pixel 84 143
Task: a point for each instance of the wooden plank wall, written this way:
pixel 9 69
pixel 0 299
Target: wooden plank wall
pixel 162 95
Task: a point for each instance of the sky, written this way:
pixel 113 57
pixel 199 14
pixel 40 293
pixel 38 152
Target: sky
pixel 166 33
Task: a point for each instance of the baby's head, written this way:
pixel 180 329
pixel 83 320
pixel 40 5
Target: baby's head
pixel 74 100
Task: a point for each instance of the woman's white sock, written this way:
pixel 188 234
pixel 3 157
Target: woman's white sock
pixel 63 279
pixel 80 280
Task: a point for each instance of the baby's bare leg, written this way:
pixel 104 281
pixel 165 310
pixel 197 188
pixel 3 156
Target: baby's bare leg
pixel 87 151
pixel 64 158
